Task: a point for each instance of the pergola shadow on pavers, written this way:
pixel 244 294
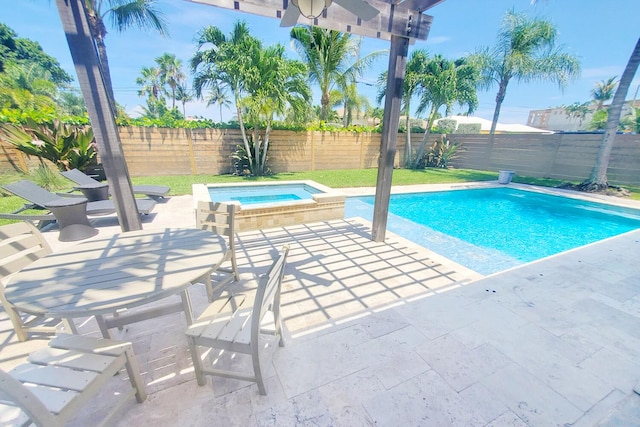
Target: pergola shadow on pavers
pixel 334 271
pixel 555 342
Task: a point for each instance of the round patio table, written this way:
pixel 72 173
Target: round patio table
pixel 122 271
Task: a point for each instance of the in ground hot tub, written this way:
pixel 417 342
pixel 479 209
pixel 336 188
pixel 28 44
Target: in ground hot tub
pixel 267 205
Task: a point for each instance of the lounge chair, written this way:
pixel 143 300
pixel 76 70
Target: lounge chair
pixel 155 192
pixel 39 197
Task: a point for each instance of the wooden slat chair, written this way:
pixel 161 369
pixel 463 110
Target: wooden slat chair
pixel 21 244
pixel 220 218
pixel 230 325
pixel 57 381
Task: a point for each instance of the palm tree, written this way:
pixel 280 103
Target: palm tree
pixel 525 52
pixel 332 59
pixel 151 81
pixel 123 14
pixel 578 111
pixel 276 84
pixel 443 83
pixel 598 179
pixel 170 73
pixel 226 61
pixel 415 71
pixel 604 91
pixel 218 96
pixel 183 95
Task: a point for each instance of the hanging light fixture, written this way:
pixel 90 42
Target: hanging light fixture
pixel 311 8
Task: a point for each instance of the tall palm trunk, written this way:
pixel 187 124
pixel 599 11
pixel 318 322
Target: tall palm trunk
pixel 324 106
pixel 267 133
pixel 425 137
pixel 502 91
pixel 408 151
pixel 99 32
pixel 598 178
pixel 243 132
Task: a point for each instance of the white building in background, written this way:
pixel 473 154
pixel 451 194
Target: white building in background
pixel 556 119
pixel 485 125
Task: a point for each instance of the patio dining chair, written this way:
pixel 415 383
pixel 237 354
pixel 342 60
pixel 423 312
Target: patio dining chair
pixel 220 218
pixel 39 197
pixel 156 192
pixel 235 324
pixel 58 381
pixel 21 244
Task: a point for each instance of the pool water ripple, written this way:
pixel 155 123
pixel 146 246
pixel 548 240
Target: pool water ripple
pixel 490 230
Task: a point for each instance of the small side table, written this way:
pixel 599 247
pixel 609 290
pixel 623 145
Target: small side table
pixel 94 192
pixel 71 214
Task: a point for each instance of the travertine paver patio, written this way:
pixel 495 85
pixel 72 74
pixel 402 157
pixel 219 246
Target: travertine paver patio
pixel 391 334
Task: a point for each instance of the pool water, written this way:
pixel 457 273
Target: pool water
pixel 259 194
pixel 490 230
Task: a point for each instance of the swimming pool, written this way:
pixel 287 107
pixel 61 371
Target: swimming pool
pixel 256 193
pixel 492 229
pixel 275 204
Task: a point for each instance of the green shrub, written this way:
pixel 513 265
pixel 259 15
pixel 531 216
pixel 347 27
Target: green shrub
pixel 440 154
pixel 469 128
pixel 446 126
pixel 66 146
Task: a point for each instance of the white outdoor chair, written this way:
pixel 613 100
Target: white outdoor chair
pixel 21 244
pixel 58 381
pixel 230 325
pixel 220 218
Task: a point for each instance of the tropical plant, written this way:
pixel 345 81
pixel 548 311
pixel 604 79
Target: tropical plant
pixel 578 111
pixel 183 95
pixel 219 97
pixel 275 84
pixel 332 58
pixel 525 52
pixel 171 74
pixel 263 83
pixel 415 71
pixel 440 154
pixel 598 120
pixel 150 81
pixel 604 91
pixel 598 178
pixel 123 15
pixel 222 60
pixel 66 146
pixel 72 104
pixel 27 54
pixel 443 83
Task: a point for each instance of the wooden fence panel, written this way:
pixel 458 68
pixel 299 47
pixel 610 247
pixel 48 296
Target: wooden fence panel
pixel 154 151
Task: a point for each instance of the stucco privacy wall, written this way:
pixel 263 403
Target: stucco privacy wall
pixel 155 151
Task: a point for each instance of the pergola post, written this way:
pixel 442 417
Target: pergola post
pixel 99 106
pixel 390 120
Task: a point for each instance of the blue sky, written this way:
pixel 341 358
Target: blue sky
pixel 601 35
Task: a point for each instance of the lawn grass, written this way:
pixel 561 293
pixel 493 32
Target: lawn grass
pixel 181 184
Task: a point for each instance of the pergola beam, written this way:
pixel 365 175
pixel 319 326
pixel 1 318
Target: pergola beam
pixel 393 19
pixel 85 59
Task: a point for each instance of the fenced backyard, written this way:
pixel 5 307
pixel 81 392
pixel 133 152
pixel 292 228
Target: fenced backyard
pixel 156 151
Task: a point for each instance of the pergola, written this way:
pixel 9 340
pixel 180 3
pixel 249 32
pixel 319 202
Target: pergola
pixel 400 21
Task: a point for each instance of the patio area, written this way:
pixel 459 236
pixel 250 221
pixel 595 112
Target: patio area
pixel 392 334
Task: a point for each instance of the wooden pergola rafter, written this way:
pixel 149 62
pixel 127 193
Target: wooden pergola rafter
pixel 400 21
